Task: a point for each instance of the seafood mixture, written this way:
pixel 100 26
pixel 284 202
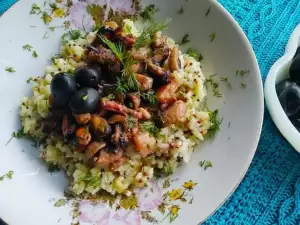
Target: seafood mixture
pixel 117 107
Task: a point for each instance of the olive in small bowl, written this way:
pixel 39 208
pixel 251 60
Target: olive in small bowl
pixel 63 86
pixel 88 76
pixel 295 69
pixel 290 99
pixel 85 101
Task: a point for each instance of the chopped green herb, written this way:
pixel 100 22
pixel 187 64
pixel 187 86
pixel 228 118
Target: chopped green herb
pixel 168 169
pixel 71 35
pixel 226 81
pixel 29 80
pixel 208 11
pixel 111 96
pixel 149 96
pixel 185 39
pixel 215 86
pixel 35 9
pixel 117 49
pixel 60 202
pixel 34 54
pixel 52 28
pixel 214 124
pixel 8 175
pixel 145 38
pixel 242 73
pixel 67 24
pixel 84 97
pixel 194 54
pixel 243 85
pixel 212 37
pixel 46 18
pixel 148 13
pixel 131 121
pixel 181 10
pixel 53 5
pixel 53 168
pixel 151 128
pixel 205 164
pixel 10 69
pixel 27 47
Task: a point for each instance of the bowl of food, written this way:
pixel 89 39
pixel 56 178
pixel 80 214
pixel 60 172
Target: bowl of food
pixel 281 91
pixel 125 112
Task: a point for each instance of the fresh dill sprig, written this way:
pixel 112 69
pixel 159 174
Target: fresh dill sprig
pixel 226 81
pixel 181 10
pixel 148 13
pixel 149 31
pixel 191 52
pixel 149 96
pixel 214 124
pixel 212 37
pixel 185 40
pixel 117 49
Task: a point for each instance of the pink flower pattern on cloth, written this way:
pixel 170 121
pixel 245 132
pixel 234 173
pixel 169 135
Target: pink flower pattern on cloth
pixel 82 20
pixel 100 214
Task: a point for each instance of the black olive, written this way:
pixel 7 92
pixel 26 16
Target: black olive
pixel 297 52
pixel 88 76
pixel 290 100
pixel 63 86
pixel 283 85
pixel 295 69
pixel 85 101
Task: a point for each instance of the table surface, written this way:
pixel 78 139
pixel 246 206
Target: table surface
pixel 270 191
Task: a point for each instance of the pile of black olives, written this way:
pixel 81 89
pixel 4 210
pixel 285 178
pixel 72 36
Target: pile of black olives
pixel 79 92
pixel 288 92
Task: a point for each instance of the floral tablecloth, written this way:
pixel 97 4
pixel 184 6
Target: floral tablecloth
pixel 270 191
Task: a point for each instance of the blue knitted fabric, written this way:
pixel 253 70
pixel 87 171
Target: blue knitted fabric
pixel 270 191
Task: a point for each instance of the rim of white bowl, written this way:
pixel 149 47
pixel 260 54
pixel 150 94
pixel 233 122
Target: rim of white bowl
pixel 277 113
pixel 261 100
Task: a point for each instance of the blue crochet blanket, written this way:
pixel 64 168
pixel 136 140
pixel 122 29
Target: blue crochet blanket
pixel 270 191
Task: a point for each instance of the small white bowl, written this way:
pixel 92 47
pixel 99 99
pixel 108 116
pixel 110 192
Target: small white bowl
pixel 277 73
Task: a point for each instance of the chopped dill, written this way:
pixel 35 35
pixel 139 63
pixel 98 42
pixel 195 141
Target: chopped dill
pixel 214 124
pixel 151 128
pixel 191 52
pixel 34 54
pixel 181 10
pixel 205 164
pixel 148 13
pixel 242 73
pixel 147 33
pixel 212 37
pixel 10 69
pixel 35 9
pixel 27 47
pixel 149 96
pixel 185 39
pixel 243 85
pixel 226 81
pixel 208 11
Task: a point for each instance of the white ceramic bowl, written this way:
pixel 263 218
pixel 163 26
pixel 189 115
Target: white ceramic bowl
pixel 277 73
pixel 25 198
